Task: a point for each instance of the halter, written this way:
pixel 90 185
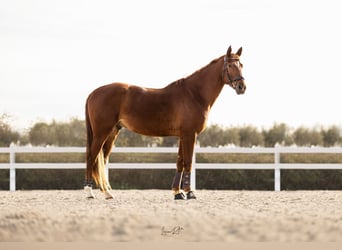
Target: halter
pixel 230 82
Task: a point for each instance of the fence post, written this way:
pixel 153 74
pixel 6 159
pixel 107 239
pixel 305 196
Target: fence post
pixel 276 169
pixel 193 171
pixel 12 183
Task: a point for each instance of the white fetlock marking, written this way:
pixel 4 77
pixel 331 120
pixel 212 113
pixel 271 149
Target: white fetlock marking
pixel 108 195
pixel 89 191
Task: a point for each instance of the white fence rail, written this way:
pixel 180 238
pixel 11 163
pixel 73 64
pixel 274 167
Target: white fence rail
pixel 276 165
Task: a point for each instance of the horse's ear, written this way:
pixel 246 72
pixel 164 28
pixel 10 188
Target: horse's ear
pixel 239 52
pixel 229 51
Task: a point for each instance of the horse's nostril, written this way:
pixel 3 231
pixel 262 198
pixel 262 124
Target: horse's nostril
pixel 241 88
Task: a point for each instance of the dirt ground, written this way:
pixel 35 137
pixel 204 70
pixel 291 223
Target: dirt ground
pixel 153 215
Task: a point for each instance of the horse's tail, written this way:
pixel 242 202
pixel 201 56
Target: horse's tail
pixel 99 172
pixel 90 163
pixel 95 164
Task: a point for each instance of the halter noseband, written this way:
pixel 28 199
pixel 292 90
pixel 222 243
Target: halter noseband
pixel 230 82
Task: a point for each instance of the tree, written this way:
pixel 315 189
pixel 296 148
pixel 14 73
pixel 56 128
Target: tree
pixel 279 133
pixel 231 136
pixel 169 141
pixel 7 135
pixel 331 136
pixel 70 133
pixel 212 136
pixel 127 138
pixel 307 137
pixel 250 136
pixel 41 134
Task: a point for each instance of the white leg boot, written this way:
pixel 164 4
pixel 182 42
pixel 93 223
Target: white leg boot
pixel 89 192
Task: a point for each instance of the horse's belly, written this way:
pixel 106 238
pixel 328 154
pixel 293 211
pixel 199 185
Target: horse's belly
pixel 151 126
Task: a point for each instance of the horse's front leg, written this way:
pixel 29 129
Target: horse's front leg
pixel 177 180
pixel 186 150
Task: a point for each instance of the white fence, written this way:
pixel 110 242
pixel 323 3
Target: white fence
pixel 276 165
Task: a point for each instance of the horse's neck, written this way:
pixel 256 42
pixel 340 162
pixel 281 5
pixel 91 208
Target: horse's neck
pixel 206 84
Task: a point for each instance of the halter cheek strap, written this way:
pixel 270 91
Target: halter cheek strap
pixel 230 82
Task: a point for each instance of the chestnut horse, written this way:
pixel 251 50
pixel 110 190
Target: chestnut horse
pixel 180 109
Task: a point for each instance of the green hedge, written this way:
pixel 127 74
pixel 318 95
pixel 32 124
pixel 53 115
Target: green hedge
pixel 27 179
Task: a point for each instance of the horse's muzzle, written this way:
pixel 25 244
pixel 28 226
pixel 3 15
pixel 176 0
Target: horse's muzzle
pixel 240 88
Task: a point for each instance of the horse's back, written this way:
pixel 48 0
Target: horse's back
pixel 122 93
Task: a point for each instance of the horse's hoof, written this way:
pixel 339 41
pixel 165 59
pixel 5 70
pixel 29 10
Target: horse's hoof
pixel 190 195
pixel 108 195
pixel 180 196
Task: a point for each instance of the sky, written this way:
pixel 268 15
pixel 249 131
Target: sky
pixel 54 53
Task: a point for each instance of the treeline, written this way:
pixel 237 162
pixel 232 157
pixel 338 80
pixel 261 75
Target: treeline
pixel 73 133
pixel 281 134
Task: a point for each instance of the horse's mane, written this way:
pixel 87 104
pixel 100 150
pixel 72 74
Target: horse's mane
pixel 204 68
pixel 182 80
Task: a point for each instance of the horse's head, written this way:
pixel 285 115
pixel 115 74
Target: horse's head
pixel 232 71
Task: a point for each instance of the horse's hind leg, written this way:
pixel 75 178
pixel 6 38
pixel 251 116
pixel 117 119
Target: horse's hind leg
pixel 92 161
pixel 96 165
pixel 107 147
